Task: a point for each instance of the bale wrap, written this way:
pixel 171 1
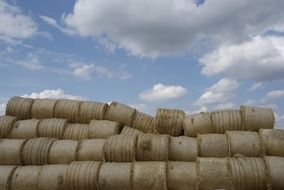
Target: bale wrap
pixel 19 107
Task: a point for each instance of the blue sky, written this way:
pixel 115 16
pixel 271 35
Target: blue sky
pixel 185 54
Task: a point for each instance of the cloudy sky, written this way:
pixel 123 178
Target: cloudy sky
pixel 193 55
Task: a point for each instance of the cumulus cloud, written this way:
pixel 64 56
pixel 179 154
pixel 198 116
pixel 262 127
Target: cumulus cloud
pixel 52 94
pixel 32 62
pixel 171 26
pixel 275 94
pixel 260 59
pixel 14 25
pixel 2 108
pixel 82 70
pixel 255 86
pixel 161 92
pixel 219 93
pixel 228 105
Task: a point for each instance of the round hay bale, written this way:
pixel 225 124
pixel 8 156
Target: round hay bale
pixel 121 113
pixel 67 109
pixel 91 150
pixel 43 108
pixel 19 107
pixel 76 131
pixel 254 118
pixel 51 177
pixel 152 147
pixel 25 177
pixel 63 152
pixel 82 176
pixel 6 125
pixel 6 173
pixel 130 131
pixel 10 151
pixel 213 145
pixel 183 149
pixel 226 120
pixel 248 173
pixel 181 175
pixel 35 151
pixel 144 122
pixel 120 148
pixel 150 176
pixel 169 121
pixel 246 143
pixel 91 110
pixel 25 129
pixel 273 140
pixel 102 129
pixel 275 166
pixel 197 124
pixel 115 176
pixel 53 128
pixel 213 173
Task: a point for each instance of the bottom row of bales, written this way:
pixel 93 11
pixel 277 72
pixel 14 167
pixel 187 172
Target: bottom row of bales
pixel 206 174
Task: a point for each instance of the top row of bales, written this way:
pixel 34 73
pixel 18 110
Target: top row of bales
pixel 167 121
pixel 79 112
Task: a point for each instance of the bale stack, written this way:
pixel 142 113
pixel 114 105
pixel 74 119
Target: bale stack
pixel 64 144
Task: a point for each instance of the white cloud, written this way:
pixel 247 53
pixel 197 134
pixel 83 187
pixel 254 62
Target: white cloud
pixel 103 72
pixel 2 108
pixel 161 92
pixel 218 93
pixel 52 94
pixel 228 105
pixel 146 108
pixel 32 62
pixel 261 58
pixel 15 26
pixel 201 109
pixel 171 26
pixel 255 86
pixel 52 22
pixel 275 94
pixel 82 70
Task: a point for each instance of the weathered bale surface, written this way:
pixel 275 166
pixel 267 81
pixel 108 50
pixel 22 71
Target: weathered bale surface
pixel 35 151
pixel 181 175
pixel 53 128
pixel 183 149
pixel 115 176
pixel 91 110
pixel 91 150
pixel 246 143
pixel 25 177
pixel 76 131
pixel 82 176
pixel 144 122
pixel 254 118
pixel 6 173
pixel 67 109
pixel 25 129
pixel 169 121
pixel 10 151
pixel 152 147
pixel 6 125
pixel 130 131
pixel 197 124
pixel 248 173
pixel 51 177
pixel 213 145
pixel 226 120
pixel 19 107
pixel 121 113
pixel 102 129
pixel 63 152
pixel 150 176
pixel 43 108
pixel 213 173
pixel 273 140
pixel 120 148
pixel 275 167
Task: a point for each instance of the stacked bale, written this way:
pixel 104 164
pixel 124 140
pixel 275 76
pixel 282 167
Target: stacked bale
pixel 130 131
pixel 76 131
pixel 53 128
pixel 213 145
pixel 102 129
pixel 25 129
pixel 6 125
pixel 273 140
pixel 10 151
pixel 6 173
pixel 91 110
pixel 91 149
pixel 169 121
pixel 183 149
pixel 19 107
pixel 67 109
pixel 43 108
pixel 121 113
pixel 197 124
pixel 275 166
pixel 144 122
